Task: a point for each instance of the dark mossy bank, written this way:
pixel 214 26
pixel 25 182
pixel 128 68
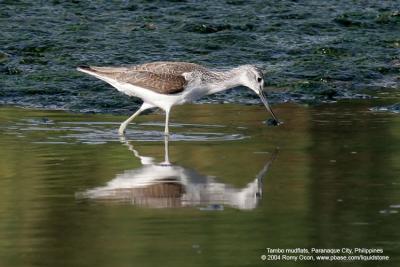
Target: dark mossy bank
pixel 310 50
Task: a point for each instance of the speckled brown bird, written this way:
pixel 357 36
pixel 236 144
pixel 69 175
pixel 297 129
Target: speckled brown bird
pixel 165 84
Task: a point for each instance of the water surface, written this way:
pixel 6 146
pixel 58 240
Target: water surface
pixel 334 183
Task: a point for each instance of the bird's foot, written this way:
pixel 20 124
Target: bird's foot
pixel 121 132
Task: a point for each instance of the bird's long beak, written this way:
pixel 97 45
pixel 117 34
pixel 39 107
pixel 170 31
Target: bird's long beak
pixel 265 102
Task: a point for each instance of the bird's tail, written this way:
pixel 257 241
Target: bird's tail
pixel 86 69
pixel 95 72
pixel 102 73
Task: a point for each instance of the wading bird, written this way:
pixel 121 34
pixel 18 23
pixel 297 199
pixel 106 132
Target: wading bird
pixel 165 84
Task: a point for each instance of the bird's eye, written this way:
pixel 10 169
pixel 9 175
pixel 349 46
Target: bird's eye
pixel 259 79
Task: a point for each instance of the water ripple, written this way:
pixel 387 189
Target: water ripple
pixel 100 132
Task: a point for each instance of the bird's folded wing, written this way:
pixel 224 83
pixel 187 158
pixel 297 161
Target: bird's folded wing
pixel 163 77
pixel 159 83
pixel 167 67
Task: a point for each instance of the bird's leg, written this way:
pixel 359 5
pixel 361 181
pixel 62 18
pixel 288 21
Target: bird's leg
pixel 121 130
pixel 166 131
pixel 166 153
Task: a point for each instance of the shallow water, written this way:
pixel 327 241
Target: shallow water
pixel 309 49
pixel 73 194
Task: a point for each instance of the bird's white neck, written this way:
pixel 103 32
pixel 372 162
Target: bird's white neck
pixel 225 80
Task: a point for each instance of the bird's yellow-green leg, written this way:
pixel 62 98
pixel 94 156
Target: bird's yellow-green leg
pixel 123 126
pixel 166 131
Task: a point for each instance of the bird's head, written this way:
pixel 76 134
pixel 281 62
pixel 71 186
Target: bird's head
pixel 253 78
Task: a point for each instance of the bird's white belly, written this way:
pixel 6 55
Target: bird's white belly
pixel 163 101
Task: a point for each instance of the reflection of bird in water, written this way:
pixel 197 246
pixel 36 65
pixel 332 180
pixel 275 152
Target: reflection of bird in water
pixel 165 84
pixel 165 185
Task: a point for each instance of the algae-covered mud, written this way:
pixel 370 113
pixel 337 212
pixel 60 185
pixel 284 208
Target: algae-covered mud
pixel 310 50
pixel 72 193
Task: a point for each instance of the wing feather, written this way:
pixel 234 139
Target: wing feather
pixel 161 77
pixel 160 83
